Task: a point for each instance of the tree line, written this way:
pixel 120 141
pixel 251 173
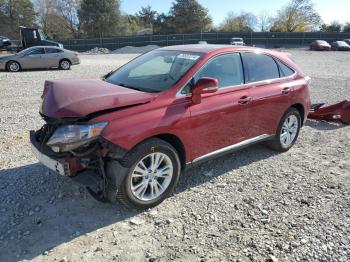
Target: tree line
pixel 103 18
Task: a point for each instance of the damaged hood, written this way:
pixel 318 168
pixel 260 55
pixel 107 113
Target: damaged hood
pixel 80 98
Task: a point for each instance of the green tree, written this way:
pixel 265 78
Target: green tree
pixel 245 22
pixel 101 18
pixel 189 16
pixel 147 16
pixel 49 17
pixel 346 28
pixel 163 24
pixel 15 13
pixel 297 16
pixel 133 24
pixel 333 27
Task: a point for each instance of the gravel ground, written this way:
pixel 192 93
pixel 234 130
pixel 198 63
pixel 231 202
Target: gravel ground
pixel 254 205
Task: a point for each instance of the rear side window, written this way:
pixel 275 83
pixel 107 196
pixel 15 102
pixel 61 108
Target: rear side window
pixel 284 69
pixel 259 67
pixel 53 51
pixel 37 51
pixel 225 68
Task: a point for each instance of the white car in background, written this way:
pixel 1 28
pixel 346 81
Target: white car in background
pixel 237 41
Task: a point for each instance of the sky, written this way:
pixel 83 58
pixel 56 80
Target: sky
pixel 336 10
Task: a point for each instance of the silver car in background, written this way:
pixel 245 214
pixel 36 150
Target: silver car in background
pixel 237 41
pixel 40 57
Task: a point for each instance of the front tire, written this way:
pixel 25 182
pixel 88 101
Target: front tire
pixel 65 64
pixel 153 170
pixel 13 66
pixel 287 132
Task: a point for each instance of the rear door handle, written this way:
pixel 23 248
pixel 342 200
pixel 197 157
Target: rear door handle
pixel 286 90
pixel 244 100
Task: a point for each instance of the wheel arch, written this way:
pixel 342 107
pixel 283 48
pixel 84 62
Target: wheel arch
pixel 174 141
pixel 7 63
pixel 65 58
pixel 177 144
pixel 301 111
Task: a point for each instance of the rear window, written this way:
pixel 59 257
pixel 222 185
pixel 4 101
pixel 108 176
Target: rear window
pixel 284 69
pixel 259 67
pixel 53 51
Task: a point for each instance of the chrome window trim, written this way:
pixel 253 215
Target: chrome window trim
pixel 269 81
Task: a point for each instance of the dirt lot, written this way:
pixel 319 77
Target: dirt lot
pixel 254 205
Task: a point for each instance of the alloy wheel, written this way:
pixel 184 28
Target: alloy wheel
pixel 14 67
pixel 65 65
pixel 289 130
pixel 151 176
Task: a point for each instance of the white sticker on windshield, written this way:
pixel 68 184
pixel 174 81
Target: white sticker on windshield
pixel 188 56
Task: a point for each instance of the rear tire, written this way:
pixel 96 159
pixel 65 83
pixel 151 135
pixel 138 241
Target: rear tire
pixel 65 64
pixel 13 66
pixel 287 131
pixel 153 170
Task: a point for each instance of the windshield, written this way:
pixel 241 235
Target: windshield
pixel 237 39
pixel 155 71
pixel 23 52
pixel 42 35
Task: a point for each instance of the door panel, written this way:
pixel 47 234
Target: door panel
pixel 34 59
pixel 218 121
pixel 267 108
pixel 33 62
pixel 52 60
pixel 271 95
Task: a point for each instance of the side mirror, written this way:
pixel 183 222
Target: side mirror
pixel 205 85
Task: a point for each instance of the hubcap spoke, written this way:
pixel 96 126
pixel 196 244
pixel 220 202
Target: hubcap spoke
pixel 289 130
pixel 151 176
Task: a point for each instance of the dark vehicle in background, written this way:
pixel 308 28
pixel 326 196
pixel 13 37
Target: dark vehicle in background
pixel 4 41
pixel 29 37
pixel 320 45
pixel 40 57
pixel 168 109
pixel 237 41
pixel 35 37
pixel 340 46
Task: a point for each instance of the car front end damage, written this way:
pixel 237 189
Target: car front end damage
pixel 76 149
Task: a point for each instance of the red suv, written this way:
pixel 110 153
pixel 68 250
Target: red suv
pixel 166 110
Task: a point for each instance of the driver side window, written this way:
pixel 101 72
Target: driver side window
pixel 227 69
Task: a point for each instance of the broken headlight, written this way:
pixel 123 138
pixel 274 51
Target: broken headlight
pixel 70 137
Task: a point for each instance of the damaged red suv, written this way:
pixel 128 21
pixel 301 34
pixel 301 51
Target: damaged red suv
pixel 174 107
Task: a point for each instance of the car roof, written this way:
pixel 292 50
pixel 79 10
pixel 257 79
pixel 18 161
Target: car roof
pixel 207 48
pixel 43 46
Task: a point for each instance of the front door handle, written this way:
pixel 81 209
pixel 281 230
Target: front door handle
pixel 244 100
pixel 286 90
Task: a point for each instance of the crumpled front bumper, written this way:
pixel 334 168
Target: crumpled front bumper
pixel 60 165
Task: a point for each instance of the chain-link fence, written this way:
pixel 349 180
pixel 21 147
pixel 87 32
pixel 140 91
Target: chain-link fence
pixel 264 39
